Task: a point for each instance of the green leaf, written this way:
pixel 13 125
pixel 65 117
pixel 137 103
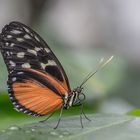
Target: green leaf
pixel 102 127
pixel 135 112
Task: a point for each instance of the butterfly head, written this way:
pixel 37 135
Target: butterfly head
pixel 74 98
pixel 79 96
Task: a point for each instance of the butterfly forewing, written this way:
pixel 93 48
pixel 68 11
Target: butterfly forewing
pixel 24 48
pixel 37 82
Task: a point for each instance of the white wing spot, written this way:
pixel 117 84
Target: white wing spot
pixel 50 63
pixel 43 65
pixel 11 98
pixel 6 43
pixel 32 51
pixel 17 106
pixel 27 36
pixel 9 36
pixel 26 30
pixel 21 109
pixel 47 50
pixel 12 63
pixel 16 109
pixel 26 65
pixel 20 39
pixel 12 44
pixel 37 49
pixel 8 53
pixel 16 31
pixel 14 79
pixel 20 72
pixel 25 111
pixel 36 38
pixel 14 103
pixel 30 113
pixel 20 54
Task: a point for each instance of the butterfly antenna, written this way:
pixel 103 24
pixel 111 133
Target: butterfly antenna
pixel 101 65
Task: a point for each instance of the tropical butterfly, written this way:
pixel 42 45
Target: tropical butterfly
pixel 37 82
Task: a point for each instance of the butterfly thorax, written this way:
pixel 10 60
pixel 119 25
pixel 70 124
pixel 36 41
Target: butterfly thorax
pixel 73 98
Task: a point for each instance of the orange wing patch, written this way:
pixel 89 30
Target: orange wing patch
pixel 62 88
pixel 36 98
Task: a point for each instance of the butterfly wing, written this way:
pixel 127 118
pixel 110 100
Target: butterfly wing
pixel 37 82
pixel 24 48
pixel 34 93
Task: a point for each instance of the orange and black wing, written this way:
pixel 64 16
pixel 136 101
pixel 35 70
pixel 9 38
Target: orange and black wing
pixel 34 93
pixel 22 47
pixel 37 82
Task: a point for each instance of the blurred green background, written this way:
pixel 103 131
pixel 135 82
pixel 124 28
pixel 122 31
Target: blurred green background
pixel 80 33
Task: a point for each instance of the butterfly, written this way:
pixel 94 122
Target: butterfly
pixel 37 82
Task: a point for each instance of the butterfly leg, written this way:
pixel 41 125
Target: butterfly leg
pixel 47 118
pixel 59 118
pixel 83 113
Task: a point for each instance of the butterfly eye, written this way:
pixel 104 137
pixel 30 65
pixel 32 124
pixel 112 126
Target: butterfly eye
pixel 81 97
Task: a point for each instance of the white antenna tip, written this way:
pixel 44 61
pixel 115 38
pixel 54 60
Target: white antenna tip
pixel 111 58
pixel 107 61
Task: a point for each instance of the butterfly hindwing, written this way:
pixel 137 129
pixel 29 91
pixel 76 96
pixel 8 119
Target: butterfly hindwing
pixel 34 93
pixel 24 48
